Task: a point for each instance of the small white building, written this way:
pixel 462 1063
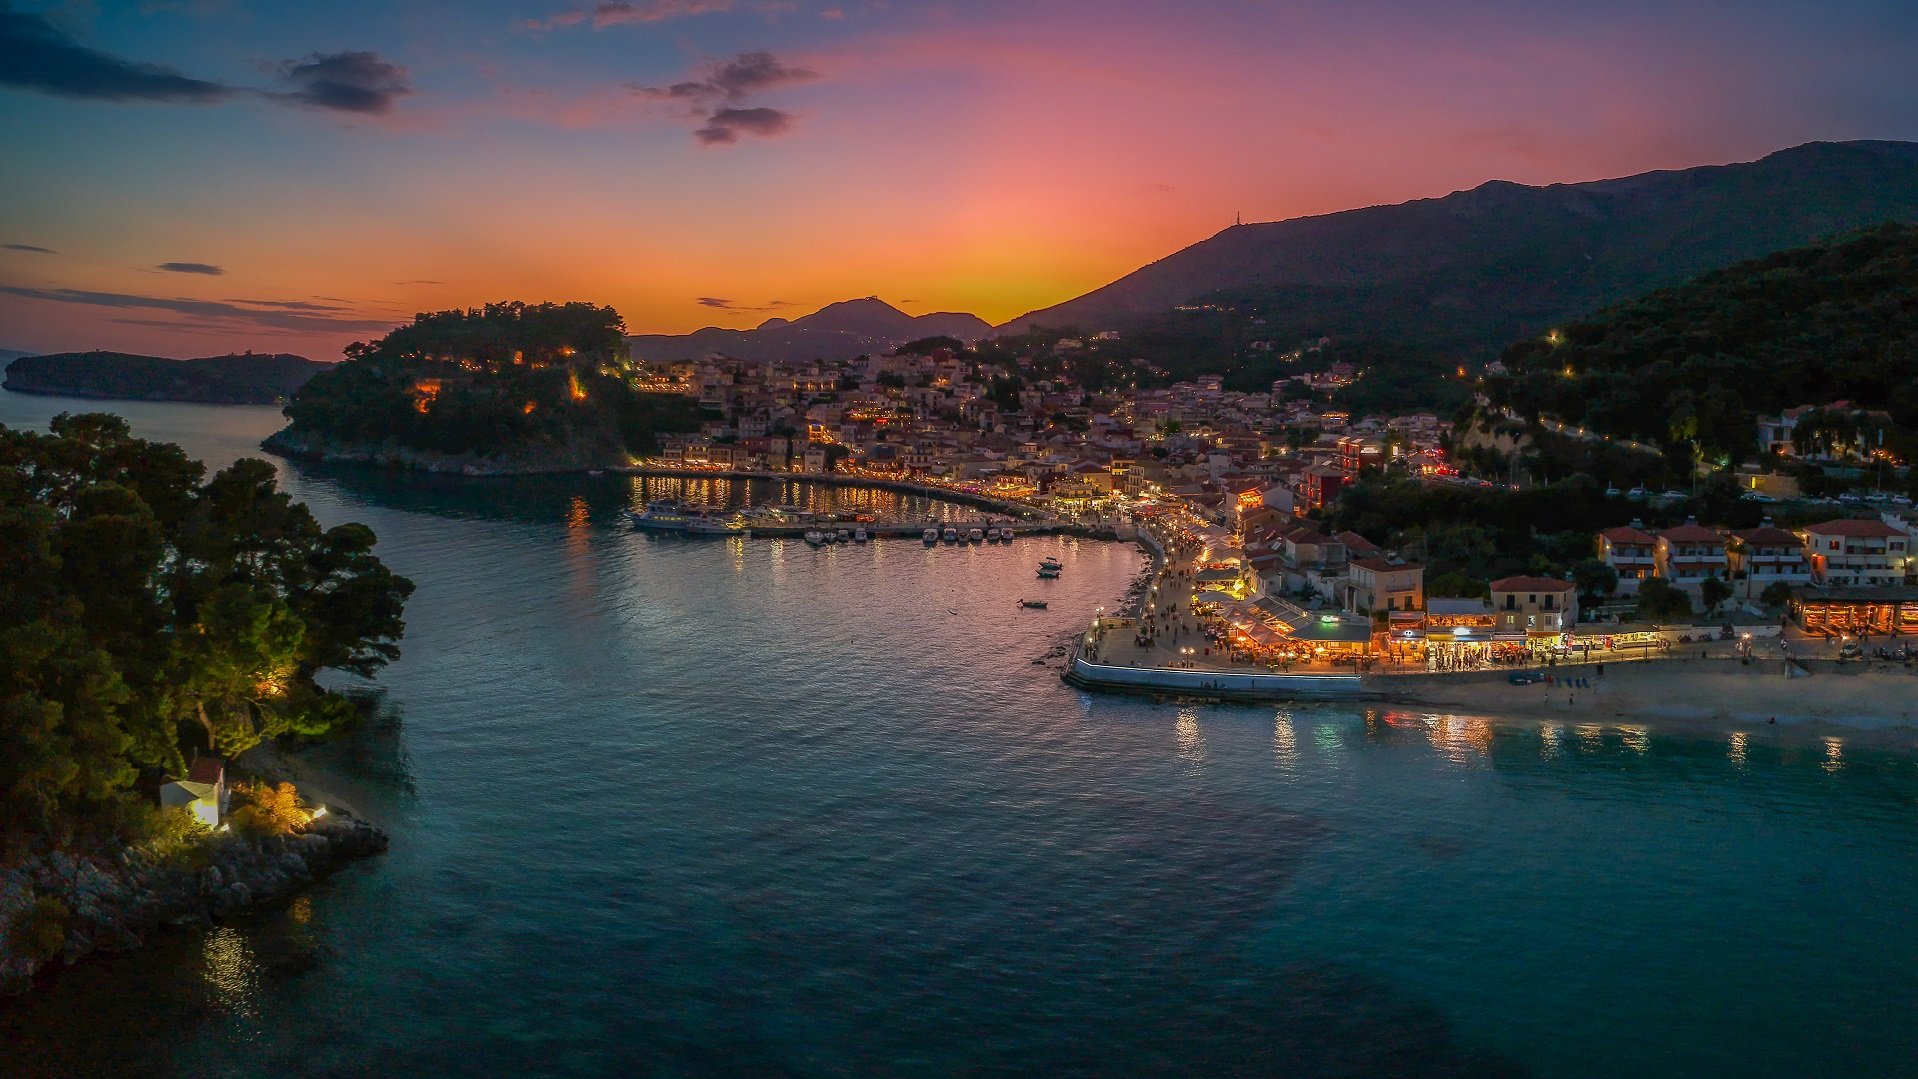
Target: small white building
pixel 203 791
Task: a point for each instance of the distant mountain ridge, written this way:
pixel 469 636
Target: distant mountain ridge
pixel 835 332
pixel 262 379
pixel 1479 268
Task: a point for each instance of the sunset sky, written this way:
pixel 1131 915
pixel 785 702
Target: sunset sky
pixel 189 177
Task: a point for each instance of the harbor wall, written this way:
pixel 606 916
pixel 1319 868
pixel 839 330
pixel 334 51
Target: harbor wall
pixel 1246 686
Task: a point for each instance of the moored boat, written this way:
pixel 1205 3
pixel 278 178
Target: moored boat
pixel 977 535
pixel 667 515
pixel 930 535
pixel 1048 572
pixel 950 535
pixel 1033 604
pixel 1051 563
pixel 859 535
pixel 815 537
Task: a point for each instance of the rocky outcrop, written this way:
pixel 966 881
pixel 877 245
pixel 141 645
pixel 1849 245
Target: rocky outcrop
pixel 112 901
pixel 531 460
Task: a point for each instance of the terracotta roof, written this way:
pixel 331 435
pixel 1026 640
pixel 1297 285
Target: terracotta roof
pixel 1691 533
pixel 1531 584
pixel 1856 526
pixel 1628 534
pixel 1356 543
pixel 1767 535
pixel 205 770
pixel 1380 565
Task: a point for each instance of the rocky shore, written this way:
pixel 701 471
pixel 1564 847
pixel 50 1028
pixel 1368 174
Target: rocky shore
pixel 113 901
pixel 532 460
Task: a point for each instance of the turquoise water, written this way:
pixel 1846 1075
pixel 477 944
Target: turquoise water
pixel 742 807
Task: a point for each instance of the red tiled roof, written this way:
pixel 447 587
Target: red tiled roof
pixel 205 770
pixel 1767 535
pixel 1859 527
pixel 1690 533
pixel 1628 534
pixel 1531 584
pixel 1357 543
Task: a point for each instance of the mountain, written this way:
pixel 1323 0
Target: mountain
pixel 1465 273
pixel 214 380
pixel 835 332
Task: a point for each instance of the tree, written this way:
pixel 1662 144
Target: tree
pixel 1714 591
pixel 1776 594
pixel 1660 601
pixel 1595 579
pixel 145 614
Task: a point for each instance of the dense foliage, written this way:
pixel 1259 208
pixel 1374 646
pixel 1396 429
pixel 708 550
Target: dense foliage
pixel 147 612
pixel 1693 366
pixel 505 378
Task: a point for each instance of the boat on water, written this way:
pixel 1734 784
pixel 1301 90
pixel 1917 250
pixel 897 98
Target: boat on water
pixel 859 535
pixel 667 515
pixel 815 537
pixel 1051 563
pixel 930 535
pixel 1033 604
pixel 1048 573
pixel 950 535
pixel 977 535
pixel 842 536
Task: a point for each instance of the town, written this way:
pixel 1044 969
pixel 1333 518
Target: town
pixel 1238 492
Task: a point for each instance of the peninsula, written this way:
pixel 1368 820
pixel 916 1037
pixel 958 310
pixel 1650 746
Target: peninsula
pixel 241 379
pixel 503 389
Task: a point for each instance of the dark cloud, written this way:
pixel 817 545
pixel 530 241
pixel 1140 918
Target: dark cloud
pixel 724 126
pixel 616 12
pixel 206 268
pixel 36 55
pixel 34 248
pixel 345 82
pixel 718 101
pixel 734 305
pixel 267 314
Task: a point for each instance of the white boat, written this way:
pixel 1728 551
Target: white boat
pixel 859 535
pixel 815 537
pixel 842 536
pixel 670 516
pixel 930 535
pixel 977 535
pixel 950 535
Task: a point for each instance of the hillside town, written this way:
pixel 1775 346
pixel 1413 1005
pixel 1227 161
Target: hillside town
pixel 1239 484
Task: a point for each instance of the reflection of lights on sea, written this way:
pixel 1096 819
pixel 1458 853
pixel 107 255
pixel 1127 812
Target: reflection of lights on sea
pixel 1191 739
pixel 1636 739
pixel 232 972
pixel 1591 737
pixel 1737 752
pixel 1285 743
pixel 1548 736
pixel 1834 755
pixel 1460 738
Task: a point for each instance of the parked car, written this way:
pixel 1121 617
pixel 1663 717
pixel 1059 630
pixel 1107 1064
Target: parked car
pixel 1524 678
pixel 1850 650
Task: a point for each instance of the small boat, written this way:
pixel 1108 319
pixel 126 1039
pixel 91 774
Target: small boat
pixel 1047 574
pixel 859 535
pixel 595 472
pixel 977 535
pixel 950 535
pixel 1033 604
pixel 815 537
pixel 930 535
pixel 1051 563
pixel 842 536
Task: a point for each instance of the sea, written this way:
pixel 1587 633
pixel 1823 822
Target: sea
pixel 665 806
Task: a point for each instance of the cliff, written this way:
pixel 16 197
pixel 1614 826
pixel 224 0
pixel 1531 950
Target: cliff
pixel 600 450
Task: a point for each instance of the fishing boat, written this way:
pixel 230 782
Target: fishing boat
pixel 1033 604
pixel 1048 573
pixel 950 535
pixel 977 535
pixel 1051 563
pixel 930 535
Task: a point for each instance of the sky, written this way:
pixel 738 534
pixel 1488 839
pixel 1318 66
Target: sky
pixel 195 177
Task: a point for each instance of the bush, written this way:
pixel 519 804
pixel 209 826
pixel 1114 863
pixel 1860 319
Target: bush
pixel 41 931
pixel 174 834
pixel 270 810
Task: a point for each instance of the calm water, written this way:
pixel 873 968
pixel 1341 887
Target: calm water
pixel 697 807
